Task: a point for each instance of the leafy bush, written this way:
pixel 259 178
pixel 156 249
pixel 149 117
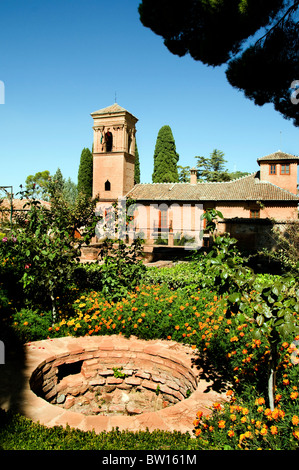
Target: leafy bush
pixel 42 247
pixel 20 433
pixel 179 276
pixel 31 325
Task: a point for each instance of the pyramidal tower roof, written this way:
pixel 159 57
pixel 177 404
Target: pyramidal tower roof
pixel 114 108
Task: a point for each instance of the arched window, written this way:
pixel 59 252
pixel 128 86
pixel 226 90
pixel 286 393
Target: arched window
pixel 108 141
pixel 107 186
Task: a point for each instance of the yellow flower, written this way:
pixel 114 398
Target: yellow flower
pixel 221 424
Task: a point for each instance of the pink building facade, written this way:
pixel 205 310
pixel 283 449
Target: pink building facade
pixel 172 211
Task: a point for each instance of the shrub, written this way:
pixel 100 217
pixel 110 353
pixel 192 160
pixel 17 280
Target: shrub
pixel 20 433
pixel 31 325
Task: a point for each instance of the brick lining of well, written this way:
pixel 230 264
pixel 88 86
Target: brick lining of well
pixel 168 365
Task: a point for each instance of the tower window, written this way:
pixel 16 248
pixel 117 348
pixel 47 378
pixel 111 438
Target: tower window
pixel 273 169
pixel 285 169
pixel 107 186
pixel 108 141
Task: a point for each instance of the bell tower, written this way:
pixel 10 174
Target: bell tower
pixel 113 152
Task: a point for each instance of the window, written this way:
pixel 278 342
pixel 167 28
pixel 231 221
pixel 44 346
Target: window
pixel 285 169
pixel 273 169
pixel 108 141
pixel 107 186
pixel 254 213
pixel 163 220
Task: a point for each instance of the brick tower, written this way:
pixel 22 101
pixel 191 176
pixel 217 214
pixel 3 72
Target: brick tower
pixel 280 169
pixel 113 152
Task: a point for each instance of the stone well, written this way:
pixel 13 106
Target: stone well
pixel 104 382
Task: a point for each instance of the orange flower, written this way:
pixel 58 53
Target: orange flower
pixel 230 433
pixel 177 327
pixel 273 430
pixel 199 414
pixel 217 406
pixel 294 395
pixel 295 420
pixel 260 401
pixel 268 412
pixel 197 432
pixel 296 434
pixel 234 338
pixel 221 424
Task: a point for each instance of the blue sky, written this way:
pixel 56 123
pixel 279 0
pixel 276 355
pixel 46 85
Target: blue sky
pixel 60 60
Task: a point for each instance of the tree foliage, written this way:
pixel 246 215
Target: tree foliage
pixel 85 172
pixel 165 158
pixel 43 245
pixel 218 32
pixel 212 168
pixel 184 174
pixel 67 188
pixel 38 185
pixel 137 165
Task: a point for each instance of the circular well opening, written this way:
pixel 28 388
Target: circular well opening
pixel 135 378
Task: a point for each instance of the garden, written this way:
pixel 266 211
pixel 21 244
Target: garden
pixel 244 325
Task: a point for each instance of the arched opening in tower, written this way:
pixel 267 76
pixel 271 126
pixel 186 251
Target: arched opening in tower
pixel 108 141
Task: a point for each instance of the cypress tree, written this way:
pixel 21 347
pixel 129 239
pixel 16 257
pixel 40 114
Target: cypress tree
pixel 165 158
pixel 137 165
pixel 58 180
pixel 85 173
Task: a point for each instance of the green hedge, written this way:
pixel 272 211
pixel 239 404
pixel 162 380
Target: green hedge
pixel 20 433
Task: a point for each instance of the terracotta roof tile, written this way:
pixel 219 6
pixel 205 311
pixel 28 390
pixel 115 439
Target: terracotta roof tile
pixel 114 108
pixel 247 188
pixel 278 156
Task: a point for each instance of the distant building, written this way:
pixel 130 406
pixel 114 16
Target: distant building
pixel 173 210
